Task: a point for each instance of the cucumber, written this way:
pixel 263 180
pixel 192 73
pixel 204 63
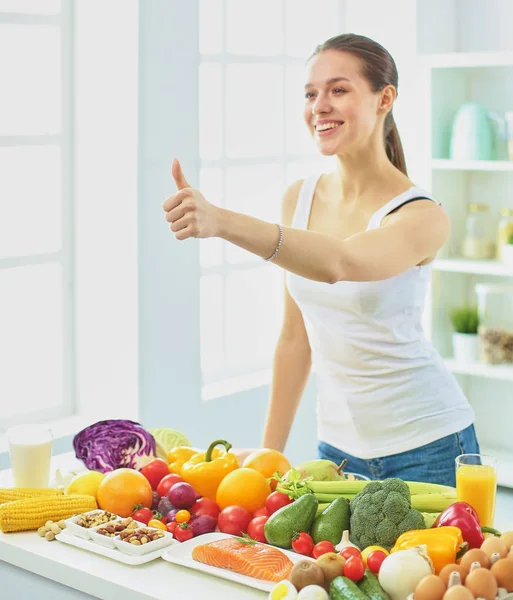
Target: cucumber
pixel 342 588
pixel 369 584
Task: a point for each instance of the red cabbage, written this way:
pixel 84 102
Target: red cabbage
pixel 115 443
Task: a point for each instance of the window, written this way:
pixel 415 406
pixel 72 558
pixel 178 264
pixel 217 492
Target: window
pixel 36 332
pixel 252 145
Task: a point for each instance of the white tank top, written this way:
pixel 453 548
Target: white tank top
pixel 382 387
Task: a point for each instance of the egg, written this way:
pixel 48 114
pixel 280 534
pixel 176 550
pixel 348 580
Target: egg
pixel 494 545
pixel 503 572
pixel 482 584
pixel 475 555
pixel 507 537
pixel 458 592
pixel 313 592
pixel 284 590
pixel 430 588
pixel 445 573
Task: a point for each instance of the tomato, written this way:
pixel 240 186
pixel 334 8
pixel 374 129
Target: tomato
pixel 322 548
pixel 369 549
pixel 205 506
pixel 275 501
pixel 156 524
pixel 171 527
pixel 303 544
pixel 183 532
pixel 261 512
pixel 167 482
pixel 155 471
pixel 142 514
pixel 375 559
pixel 354 568
pixel 234 520
pixel 183 516
pixel 256 529
pixel 350 551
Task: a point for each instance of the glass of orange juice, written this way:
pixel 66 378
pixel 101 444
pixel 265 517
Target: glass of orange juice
pixel 476 484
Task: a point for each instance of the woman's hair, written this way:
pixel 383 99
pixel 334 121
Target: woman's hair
pixel 380 70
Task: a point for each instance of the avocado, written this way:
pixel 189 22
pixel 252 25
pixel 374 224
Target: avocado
pixel 280 528
pixel 332 522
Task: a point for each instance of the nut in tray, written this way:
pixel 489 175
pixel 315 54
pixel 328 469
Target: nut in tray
pixel 82 525
pixel 142 540
pixel 105 534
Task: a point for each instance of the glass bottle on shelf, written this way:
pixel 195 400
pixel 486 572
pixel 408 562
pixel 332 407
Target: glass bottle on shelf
pixel 495 310
pixel 504 229
pixel 478 242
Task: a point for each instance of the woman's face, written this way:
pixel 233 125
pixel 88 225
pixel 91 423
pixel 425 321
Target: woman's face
pixel 341 112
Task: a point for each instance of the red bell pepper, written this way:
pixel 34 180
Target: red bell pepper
pixel 463 516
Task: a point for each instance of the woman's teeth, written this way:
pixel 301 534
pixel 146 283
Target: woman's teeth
pixel 326 126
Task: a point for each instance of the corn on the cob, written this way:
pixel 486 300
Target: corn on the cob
pixel 32 513
pixel 11 494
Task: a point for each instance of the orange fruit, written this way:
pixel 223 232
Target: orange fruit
pixel 243 487
pixel 120 490
pixel 267 461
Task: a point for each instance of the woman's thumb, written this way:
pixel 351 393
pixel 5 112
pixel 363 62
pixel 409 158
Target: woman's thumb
pixel 178 176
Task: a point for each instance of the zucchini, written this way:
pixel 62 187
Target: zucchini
pixel 342 588
pixel 369 585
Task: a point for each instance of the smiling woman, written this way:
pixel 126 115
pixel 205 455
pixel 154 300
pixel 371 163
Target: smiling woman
pixel 357 245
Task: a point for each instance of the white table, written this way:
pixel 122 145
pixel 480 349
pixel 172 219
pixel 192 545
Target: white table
pixel 26 554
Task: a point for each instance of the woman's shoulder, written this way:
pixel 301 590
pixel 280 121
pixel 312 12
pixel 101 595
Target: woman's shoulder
pixel 289 201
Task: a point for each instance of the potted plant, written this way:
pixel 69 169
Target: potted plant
pixel 465 321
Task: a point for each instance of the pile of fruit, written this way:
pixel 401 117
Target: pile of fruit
pixel 358 540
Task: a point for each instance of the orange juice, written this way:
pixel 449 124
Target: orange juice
pixel 477 485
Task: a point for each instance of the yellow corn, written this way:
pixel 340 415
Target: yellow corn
pixel 11 494
pixel 32 513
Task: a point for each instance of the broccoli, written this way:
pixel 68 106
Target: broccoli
pixel 381 512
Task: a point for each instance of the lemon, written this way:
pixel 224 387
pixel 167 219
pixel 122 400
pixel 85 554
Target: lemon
pixel 86 483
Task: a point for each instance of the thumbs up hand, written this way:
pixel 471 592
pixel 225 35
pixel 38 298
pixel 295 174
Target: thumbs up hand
pixel 188 211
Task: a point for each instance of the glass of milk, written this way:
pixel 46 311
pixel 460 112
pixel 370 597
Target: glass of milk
pixel 30 449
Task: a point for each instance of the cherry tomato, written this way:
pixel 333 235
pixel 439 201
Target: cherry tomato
pixel 350 551
pixel 171 527
pixel 234 520
pixel 275 501
pixel 157 524
pixel 354 568
pixel 141 514
pixel 183 516
pixel 303 544
pixel 322 548
pixel 183 532
pixel 155 471
pixel 256 529
pixel 167 482
pixel 375 559
pixel 261 512
pixel 205 506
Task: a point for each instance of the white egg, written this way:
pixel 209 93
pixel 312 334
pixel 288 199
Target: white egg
pixel 313 592
pixel 284 590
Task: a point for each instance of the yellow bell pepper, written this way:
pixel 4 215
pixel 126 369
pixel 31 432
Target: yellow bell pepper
pixel 205 472
pixel 178 456
pixel 443 544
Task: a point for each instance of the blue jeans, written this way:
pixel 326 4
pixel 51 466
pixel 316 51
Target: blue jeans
pixel 432 463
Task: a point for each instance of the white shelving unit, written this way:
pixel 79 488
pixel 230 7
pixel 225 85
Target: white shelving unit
pixel 450 80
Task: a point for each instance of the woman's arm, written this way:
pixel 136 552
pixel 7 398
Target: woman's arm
pixel 410 236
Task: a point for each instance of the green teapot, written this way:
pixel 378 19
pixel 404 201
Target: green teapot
pixel 473 136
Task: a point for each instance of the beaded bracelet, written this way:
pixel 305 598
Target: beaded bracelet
pixel 280 240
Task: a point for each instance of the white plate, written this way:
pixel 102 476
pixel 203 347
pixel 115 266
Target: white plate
pixel 73 540
pixel 148 548
pixel 78 530
pixel 104 540
pixel 181 554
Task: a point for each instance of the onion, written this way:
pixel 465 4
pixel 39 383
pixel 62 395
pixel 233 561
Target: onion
pixel 402 571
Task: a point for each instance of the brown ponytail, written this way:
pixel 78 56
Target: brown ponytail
pixel 393 144
pixel 380 70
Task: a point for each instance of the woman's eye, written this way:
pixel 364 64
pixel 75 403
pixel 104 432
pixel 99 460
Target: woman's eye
pixel 339 90
pixel 309 95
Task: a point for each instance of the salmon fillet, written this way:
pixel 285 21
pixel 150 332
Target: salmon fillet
pixel 255 560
